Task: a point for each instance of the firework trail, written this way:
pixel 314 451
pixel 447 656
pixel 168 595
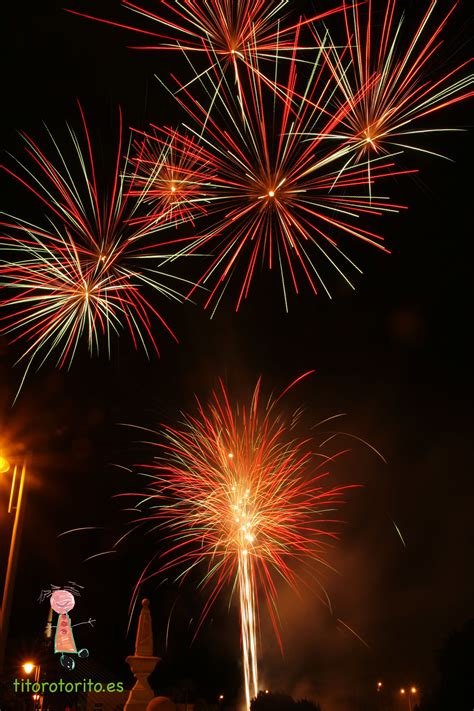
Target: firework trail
pixel 392 86
pixel 277 199
pixel 85 273
pixel 241 497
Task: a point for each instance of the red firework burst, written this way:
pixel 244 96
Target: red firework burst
pixel 169 176
pixel 225 33
pixel 239 497
pixel 88 271
pixel 393 85
pixel 277 198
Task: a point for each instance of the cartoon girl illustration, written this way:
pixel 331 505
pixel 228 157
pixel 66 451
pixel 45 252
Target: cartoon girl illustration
pixel 62 601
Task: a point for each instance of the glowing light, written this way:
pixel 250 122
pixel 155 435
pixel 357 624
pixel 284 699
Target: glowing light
pixel 413 690
pixel 271 193
pixel 4 465
pixel 402 691
pixel 28 667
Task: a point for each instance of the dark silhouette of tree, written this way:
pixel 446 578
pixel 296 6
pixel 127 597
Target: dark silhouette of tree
pixel 306 705
pixel 281 702
pixel 455 690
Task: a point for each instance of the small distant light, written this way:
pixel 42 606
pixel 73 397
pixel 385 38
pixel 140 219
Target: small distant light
pixel 379 685
pixel 266 691
pixel 231 456
pixel 28 667
pixel 413 689
pixel 271 193
pixel 221 697
pixel 402 691
pixel 173 189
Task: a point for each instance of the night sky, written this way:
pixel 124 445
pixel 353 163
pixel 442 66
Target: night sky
pixel 394 355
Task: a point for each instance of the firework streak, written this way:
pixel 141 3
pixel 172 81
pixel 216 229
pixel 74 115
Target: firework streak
pixel 239 495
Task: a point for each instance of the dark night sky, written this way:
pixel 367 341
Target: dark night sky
pixel 394 355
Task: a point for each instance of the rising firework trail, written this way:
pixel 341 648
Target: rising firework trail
pixel 392 85
pixel 240 497
pixel 86 273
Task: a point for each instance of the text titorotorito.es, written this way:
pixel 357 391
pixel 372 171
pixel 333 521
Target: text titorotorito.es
pixel 53 687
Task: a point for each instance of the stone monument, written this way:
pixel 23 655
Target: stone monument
pixel 142 663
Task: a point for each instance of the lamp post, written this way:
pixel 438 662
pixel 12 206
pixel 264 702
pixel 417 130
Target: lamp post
pixel 28 667
pixel 15 505
pixel 379 689
pixel 4 465
pixel 409 693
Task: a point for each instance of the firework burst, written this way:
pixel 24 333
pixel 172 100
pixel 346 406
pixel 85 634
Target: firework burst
pixel 243 500
pixel 85 272
pixel 276 198
pixel 169 176
pixel 225 34
pixel 391 86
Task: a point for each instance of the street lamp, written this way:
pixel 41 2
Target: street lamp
pixel 28 667
pixel 15 505
pixel 408 694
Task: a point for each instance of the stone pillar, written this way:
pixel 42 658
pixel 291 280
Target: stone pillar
pixel 142 663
